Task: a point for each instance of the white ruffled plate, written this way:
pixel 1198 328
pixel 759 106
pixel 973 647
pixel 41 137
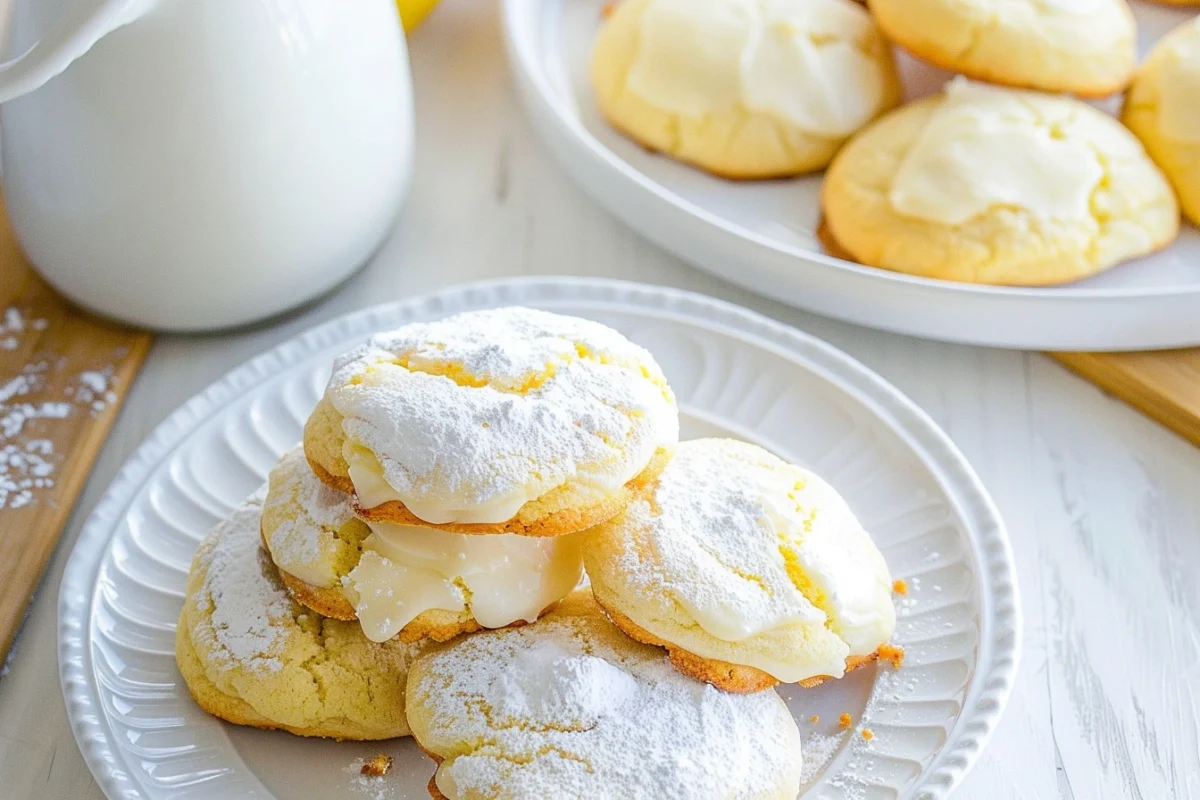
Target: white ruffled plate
pixel 735 373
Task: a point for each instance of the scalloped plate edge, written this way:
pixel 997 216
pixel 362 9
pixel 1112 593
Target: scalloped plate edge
pixel 999 649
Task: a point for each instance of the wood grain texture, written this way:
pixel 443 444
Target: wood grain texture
pixel 1163 385
pixel 1101 503
pixel 52 356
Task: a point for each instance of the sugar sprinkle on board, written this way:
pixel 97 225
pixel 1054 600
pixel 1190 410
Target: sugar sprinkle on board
pixel 63 375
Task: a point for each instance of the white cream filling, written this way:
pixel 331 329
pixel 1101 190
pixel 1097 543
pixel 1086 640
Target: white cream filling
pixel 371 489
pixel 406 570
pixel 791 672
pixel 802 62
pixel 985 148
pixel 1064 6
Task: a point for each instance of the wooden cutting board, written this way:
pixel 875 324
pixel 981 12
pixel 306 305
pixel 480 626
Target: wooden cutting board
pixel 63 376
pixel 1164 385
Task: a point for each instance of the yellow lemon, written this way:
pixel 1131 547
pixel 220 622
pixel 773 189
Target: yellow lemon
pixel 413 11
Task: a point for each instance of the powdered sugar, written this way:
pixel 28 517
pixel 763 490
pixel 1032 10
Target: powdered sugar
pixel 819 750
pixel 301 518
pixel 608 718
pixel 28 459
pixel 749 544
pixel 244 605
pixel 13 325
pixel 545 684
pixel 93 390
pixel 472 416
pixel 376 788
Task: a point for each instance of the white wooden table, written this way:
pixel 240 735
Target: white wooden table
pixel 1103 506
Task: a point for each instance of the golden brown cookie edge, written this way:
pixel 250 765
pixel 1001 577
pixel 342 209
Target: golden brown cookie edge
pixel 732 678
pixel 557 523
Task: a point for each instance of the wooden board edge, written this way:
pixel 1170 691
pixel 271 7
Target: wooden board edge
pixel 71 486
pixel 1109 374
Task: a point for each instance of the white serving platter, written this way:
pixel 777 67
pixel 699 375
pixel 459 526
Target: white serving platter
pixel 762 234
pixel 735 374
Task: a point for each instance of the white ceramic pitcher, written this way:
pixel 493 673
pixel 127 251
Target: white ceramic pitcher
pixel 198 164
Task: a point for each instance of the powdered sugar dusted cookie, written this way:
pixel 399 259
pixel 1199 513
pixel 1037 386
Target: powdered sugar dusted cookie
pixel 570 707
pixel 412 581
pixel 253 656
pixel 509 420
pixel 312 535
pixel 749 570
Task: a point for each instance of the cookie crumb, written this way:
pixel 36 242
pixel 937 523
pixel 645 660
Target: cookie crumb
pixel 814 719
pixel 900 586
pixel 371 787
pixel 844 721
pixel 867 735
pixel 378 766
pixel 893 653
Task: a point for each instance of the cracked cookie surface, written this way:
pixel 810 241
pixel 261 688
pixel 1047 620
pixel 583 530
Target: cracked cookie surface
pixel 570 707
pixel 991 185
pixel 750 570
pixel 745 89
pixel 508 420
pixel 253 656
pixel 1084 47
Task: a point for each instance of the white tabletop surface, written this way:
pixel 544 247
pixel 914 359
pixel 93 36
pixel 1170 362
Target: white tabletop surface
pixel 1103 506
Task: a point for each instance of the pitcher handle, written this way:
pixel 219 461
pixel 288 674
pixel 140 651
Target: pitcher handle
pixel 69 38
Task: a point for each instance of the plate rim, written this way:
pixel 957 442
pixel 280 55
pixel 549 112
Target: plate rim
pixel 999 652
pixel 524 60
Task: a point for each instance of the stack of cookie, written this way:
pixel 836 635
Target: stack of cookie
pixel 418 561
pixel 999 179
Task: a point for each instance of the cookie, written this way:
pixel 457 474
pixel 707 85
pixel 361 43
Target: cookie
pixel 999 186
pixel 407 581
pixel 253 656
pixel 508 420
pixel 744 89
pixel 1163 110
pixel 570 707
pixel 749 570
pixel 312 535
pixel 1085 47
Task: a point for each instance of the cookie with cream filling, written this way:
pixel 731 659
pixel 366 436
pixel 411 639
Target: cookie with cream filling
pixel 401 580
pixel 1084 47
pixel 992 185
pixel 744 89
pixel 570 707
pixel 749 570
pixel 508 420
pixel 1163 110
pixel 251 655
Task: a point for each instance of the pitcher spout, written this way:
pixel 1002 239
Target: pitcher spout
pixel 71 35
